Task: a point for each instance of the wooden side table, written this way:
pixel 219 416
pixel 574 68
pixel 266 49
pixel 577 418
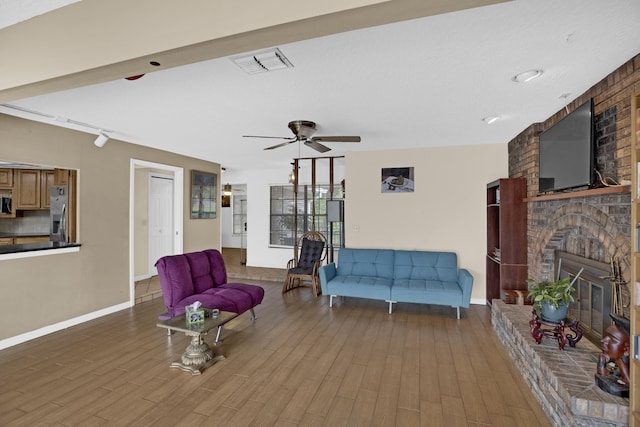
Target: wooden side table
pixel 557 331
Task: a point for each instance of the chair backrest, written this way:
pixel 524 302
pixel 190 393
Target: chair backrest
pixel 311 247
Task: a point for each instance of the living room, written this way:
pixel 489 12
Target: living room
pixel 445 212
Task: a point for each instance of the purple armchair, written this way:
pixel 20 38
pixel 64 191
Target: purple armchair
pixel 202 276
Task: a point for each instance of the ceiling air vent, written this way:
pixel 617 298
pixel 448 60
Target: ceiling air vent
pixel 263 61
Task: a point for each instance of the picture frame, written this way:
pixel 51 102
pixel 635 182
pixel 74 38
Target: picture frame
pixel 397 180
pixel 203 195
pixel 226 201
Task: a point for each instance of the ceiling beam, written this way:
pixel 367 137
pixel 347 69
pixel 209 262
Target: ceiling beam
pixel 94 41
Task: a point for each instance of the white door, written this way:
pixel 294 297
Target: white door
pixel 160 218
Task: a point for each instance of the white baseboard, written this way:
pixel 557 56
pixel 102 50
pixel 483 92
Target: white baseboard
pixel 19 339
pixel 478 301
pixel 142 277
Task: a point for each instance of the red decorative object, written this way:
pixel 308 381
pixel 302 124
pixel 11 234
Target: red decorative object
pixel 134 77
pixel 540 328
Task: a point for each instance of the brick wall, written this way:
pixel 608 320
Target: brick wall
pixel 596 227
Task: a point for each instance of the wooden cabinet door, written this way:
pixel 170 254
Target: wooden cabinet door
pixel 27 189
pixel 6 240
pixel 6 178
pixel 46 181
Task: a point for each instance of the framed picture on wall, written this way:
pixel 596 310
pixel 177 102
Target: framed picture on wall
pixel 397 180
pixel 203 195
pixel 226 201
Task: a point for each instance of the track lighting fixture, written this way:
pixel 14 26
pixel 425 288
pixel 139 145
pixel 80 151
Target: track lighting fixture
pixel 101 139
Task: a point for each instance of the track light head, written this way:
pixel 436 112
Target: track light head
pixel 101 139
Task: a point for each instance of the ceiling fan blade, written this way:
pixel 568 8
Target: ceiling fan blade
pixel 316 146
pixel 337 138
pixel 280 145
pixel 262 136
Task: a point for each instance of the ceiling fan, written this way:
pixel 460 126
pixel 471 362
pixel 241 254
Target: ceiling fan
pixel 303 129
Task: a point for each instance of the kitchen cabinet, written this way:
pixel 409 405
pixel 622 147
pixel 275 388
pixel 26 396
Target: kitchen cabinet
pixel 6 178
pixel 46 181
pixel 6 241
pixel 32 188
pixel 27 192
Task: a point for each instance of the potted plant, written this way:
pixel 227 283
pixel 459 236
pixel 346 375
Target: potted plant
pixel 551 299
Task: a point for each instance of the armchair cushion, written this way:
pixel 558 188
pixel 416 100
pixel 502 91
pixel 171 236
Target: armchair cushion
pixel 310 253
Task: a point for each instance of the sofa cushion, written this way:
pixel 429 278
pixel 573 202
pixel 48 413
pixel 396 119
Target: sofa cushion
pixel 366 262
pixel 208 300
pixel 218 270
pixel 175 279
pixel 358 286
pixel 200 271
pixel 255 293
pixel 423 265
pixel 427 292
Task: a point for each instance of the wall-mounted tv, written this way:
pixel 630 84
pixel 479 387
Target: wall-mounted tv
pixel 567 152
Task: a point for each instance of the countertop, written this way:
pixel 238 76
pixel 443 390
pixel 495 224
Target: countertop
pixel 37 246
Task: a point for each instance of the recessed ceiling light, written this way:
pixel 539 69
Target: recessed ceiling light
pixel 527 76
pixel 491 119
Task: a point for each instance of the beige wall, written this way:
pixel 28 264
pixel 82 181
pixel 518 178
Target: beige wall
pixel 45 290
pixel 446 212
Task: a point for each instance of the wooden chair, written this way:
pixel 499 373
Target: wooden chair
pixel 310 252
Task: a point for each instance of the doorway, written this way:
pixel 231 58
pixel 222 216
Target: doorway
pixel 139 199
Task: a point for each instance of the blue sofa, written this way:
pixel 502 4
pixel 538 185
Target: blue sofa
pixel 398 276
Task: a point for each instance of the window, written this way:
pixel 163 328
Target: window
pixel 283 212
pixel 239 213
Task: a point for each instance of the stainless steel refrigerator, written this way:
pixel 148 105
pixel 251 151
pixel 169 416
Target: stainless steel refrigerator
pixel 58 213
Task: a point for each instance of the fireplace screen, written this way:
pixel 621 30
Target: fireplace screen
pixel 592 293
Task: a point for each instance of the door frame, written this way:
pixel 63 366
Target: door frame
pixel 178 203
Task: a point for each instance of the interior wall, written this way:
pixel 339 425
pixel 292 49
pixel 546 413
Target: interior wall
pixel 446 212
pixel 56 288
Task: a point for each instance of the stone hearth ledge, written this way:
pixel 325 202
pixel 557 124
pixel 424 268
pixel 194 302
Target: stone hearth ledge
pixel 562 381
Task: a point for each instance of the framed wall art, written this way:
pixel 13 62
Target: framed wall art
pixel 203 195
pixel 397 180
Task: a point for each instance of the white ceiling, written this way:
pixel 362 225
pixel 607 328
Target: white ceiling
pixel 421 83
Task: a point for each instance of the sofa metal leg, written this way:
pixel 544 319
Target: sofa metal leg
pixel 253 314
pixel 391 306
pixel 331 300
pixel 217 341
pixel 458 313
pixel 169 332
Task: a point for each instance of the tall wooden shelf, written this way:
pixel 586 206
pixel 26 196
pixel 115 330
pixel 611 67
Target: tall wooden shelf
pixel 634 397
pixel 506 240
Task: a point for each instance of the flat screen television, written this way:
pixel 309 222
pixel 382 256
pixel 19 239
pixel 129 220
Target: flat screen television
pixel 567 152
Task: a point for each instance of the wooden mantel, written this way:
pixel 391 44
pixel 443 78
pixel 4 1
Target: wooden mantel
pixel 582 193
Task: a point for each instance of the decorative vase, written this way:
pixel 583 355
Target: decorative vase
pixel 552 314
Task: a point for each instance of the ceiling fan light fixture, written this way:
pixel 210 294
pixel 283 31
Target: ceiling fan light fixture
pixel 262 61
pixel 527 76
pixel 227 189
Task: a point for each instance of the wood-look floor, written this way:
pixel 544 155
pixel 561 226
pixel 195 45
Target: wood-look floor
pixel 299 363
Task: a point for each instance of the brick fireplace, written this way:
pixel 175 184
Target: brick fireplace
pixel 593 225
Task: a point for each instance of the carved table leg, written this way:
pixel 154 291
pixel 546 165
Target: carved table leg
pixel 197 357
pixel 577 333
pixel 559 334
